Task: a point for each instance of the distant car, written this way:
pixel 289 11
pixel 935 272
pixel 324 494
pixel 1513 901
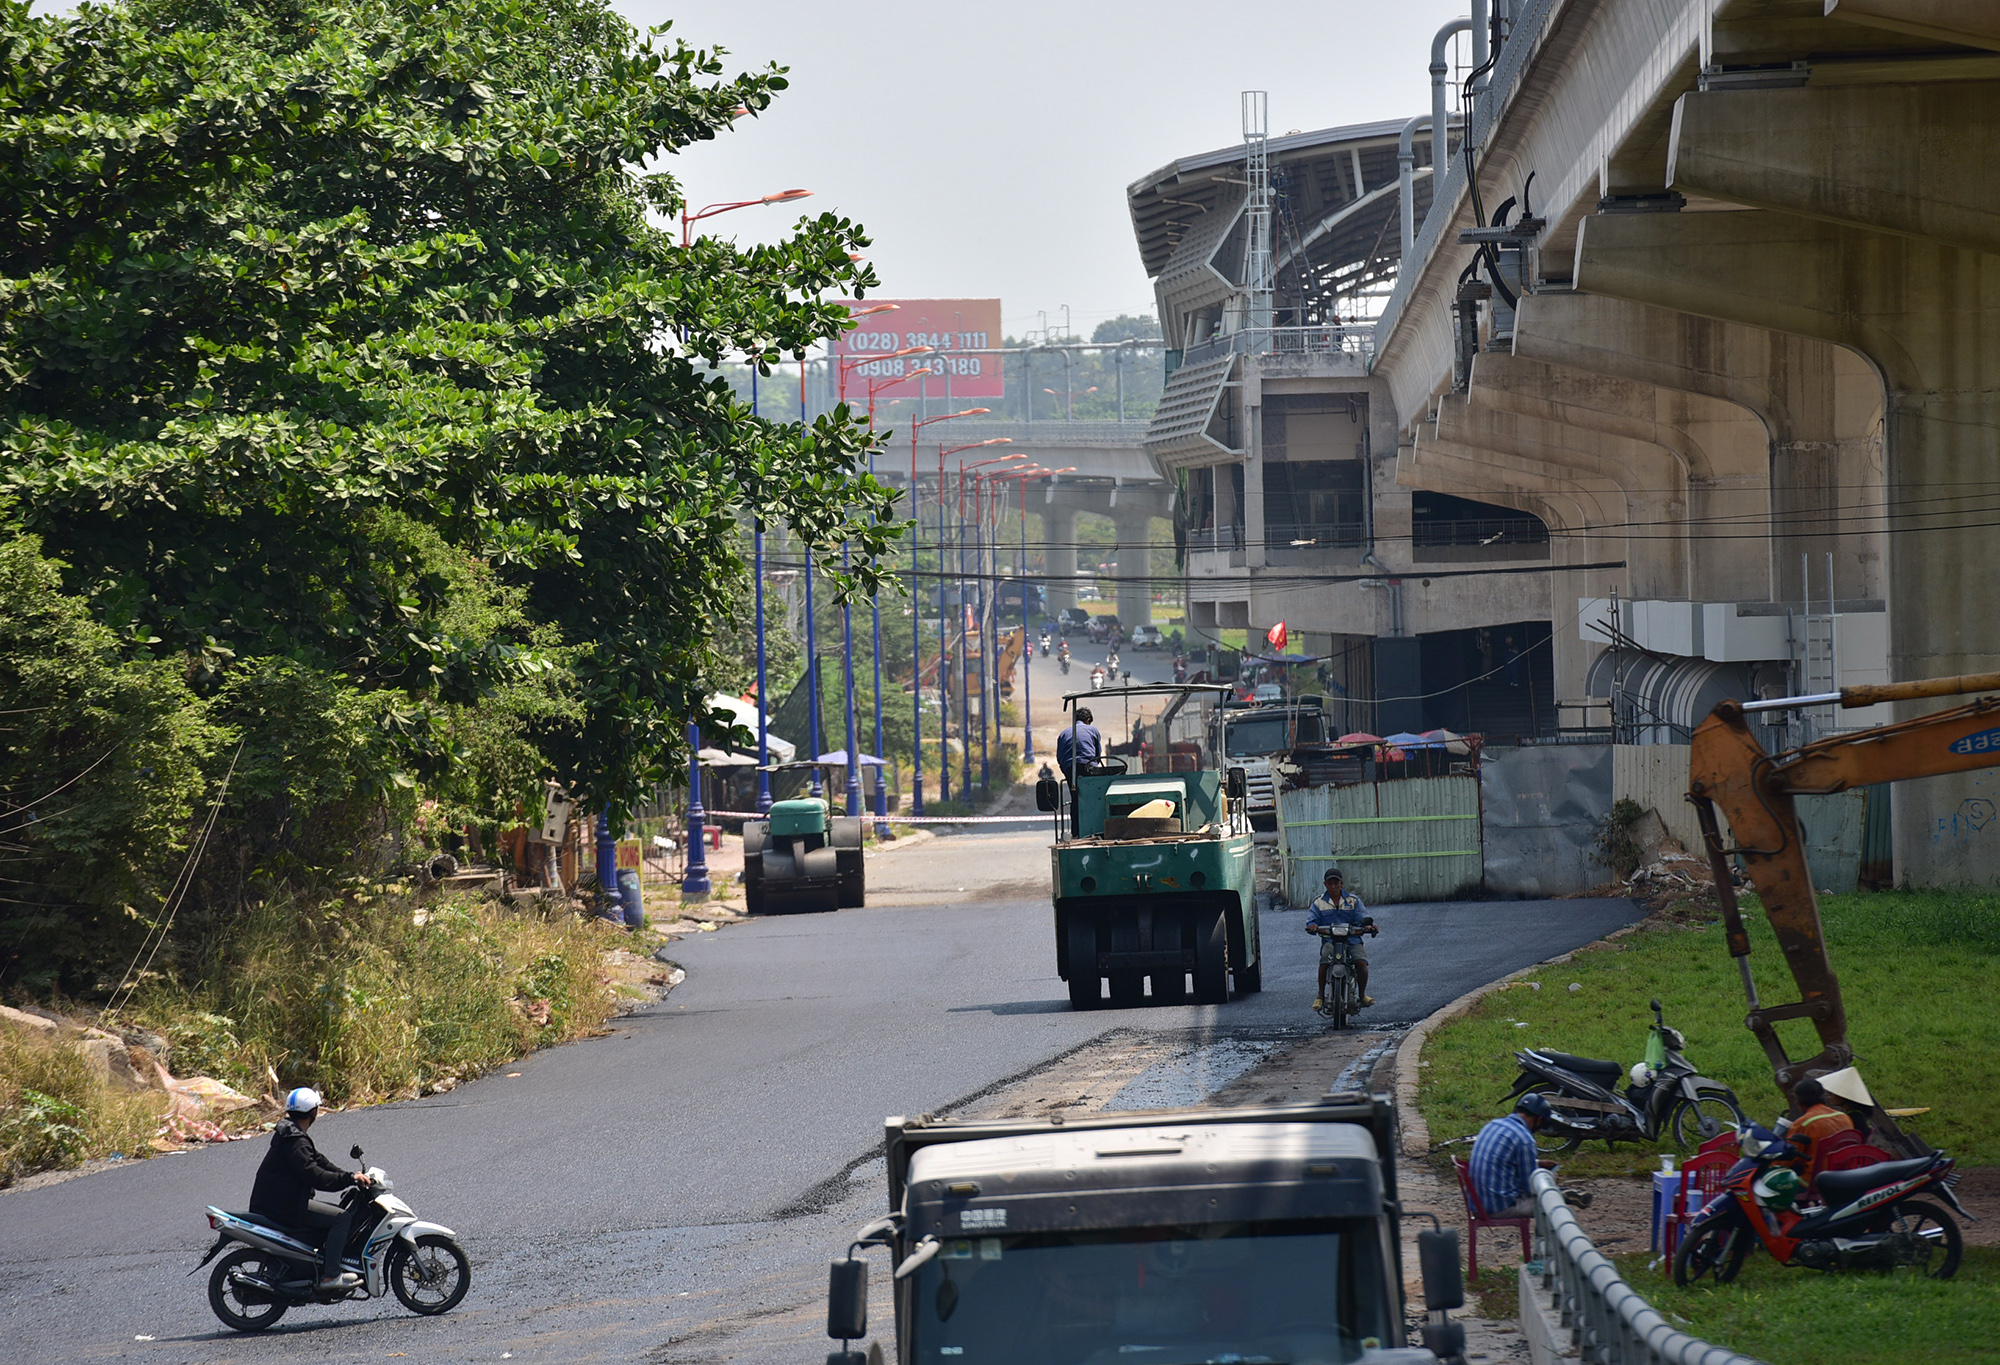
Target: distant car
pixel 1073 621
pixel 1268 694
pixel 1102 626
pixel 1148 637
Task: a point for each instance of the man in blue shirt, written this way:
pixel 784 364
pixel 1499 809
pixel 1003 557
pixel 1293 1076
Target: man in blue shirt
pixel 1077 745
pixel 1504 1158
pixel 1338 906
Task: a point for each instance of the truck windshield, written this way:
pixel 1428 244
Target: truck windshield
pixel 1279 1293
pixel 1260 735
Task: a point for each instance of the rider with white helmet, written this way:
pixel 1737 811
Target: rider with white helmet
pixel 291 1171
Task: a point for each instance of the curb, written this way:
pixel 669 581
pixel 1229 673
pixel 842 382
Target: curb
pixel 1416 1134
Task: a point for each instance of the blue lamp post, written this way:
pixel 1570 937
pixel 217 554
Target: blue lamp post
pixel 763 702
pixel 812 680
pixel 847 670
pixel 694 879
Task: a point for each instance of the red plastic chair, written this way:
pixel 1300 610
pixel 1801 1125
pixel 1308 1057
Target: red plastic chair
pixel 1476 1218
pixel 1704 1171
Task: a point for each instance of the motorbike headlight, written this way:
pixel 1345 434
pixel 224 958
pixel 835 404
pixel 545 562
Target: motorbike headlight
pixel 1674 1040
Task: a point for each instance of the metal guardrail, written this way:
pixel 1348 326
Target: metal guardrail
pixel 1346 338
pixel 1608 1323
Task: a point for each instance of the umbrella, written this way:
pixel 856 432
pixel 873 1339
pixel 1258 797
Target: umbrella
pixel 838 759
pixel 1357 738
pixel 715 758
pixel 1451 743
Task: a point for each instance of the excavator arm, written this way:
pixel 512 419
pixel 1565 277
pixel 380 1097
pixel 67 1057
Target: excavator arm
pixel 1730 773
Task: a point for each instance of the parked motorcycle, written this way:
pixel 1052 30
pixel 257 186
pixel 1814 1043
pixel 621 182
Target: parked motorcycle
pixel 1665 1092
pixel 1867 1218
pixel 390 1248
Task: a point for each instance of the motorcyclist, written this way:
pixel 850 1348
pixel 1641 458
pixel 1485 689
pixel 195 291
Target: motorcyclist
pixel 291 1171
pixel 1335 905
pixel 1045 640
pixel 1111 663
pixel 1096 676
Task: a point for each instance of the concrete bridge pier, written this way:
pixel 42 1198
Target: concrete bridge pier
pixel 1132 521
pixel 1895 262
pixel 1058 551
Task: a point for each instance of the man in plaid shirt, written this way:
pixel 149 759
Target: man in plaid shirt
pixel 1504 1158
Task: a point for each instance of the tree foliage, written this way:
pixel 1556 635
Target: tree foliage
pixel 349 376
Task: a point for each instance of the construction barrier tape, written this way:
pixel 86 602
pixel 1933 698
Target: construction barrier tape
pixel 905 819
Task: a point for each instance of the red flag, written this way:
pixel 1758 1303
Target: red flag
pixel 1276 635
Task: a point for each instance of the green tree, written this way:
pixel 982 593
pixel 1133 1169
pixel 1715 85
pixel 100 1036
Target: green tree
pixel 311 313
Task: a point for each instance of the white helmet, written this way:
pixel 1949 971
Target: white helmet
pixel 1846 1083
pixel 304 1100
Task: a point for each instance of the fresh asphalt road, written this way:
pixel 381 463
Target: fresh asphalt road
pixel 672 1191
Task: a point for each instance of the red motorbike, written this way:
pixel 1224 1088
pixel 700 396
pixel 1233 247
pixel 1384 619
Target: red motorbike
pixel 1868 1218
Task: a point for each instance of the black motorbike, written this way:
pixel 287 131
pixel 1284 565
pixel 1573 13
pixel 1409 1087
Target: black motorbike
pixel 1665 1092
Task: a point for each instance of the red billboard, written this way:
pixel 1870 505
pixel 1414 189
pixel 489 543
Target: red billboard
pixel 955 330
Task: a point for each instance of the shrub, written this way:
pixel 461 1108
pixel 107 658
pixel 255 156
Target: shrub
pixel 56 1111
pixel 373 999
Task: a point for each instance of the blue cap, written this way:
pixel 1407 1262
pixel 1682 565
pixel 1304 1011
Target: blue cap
pixel 1532 1103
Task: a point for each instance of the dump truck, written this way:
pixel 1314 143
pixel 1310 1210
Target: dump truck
pixel 1254 736
pixel 1256 1234
pixel 1154 878
pixel 801 857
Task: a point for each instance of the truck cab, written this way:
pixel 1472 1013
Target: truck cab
pixel 1265 1234
pixel 1254 737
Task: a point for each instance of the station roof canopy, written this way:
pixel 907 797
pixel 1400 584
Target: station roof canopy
pixel 1337 203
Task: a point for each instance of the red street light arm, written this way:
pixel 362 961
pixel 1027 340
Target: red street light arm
pixel 689 219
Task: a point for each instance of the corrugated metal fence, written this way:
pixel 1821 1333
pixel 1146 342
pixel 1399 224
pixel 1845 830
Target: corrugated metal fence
pixel 1417 839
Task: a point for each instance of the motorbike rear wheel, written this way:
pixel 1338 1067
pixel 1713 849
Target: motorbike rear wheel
pixel 1713 1252
pixel 433 1278
pixel 1937 1230
pixel 235 1311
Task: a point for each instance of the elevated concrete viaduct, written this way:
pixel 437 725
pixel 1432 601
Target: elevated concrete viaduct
pixel 1752 297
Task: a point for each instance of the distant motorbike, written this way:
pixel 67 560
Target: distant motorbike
pixel 1868 1218
pixel 1665 1092
pixel 1097 680
pixel 272 1269
pixel 1063 662
pixel 1343 986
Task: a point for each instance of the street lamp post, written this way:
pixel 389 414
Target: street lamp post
pixel 763 700
pixel 917 621
pixel 812 681
pixel 1022 476
pixel 694 877
pixel 965 631
pixel 688 220
pixel 847 670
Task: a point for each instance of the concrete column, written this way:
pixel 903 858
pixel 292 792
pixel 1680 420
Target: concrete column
pixel 1059 551
pixel 1132 520
pixel 1928 315
pixel 1253 468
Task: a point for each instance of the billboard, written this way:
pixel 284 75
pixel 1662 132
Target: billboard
pixel 954 329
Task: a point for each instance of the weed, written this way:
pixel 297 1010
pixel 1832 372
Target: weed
pixel 1616 848
pixel 367 1000
pixel 56 1111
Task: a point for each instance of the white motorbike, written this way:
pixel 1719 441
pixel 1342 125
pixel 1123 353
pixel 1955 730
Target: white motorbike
pixel 272 1268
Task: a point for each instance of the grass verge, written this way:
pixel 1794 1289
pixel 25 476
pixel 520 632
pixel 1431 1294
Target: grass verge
pixel 1916 970
pixel 1804 1317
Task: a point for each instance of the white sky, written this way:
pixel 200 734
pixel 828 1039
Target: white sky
pixel 986 146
